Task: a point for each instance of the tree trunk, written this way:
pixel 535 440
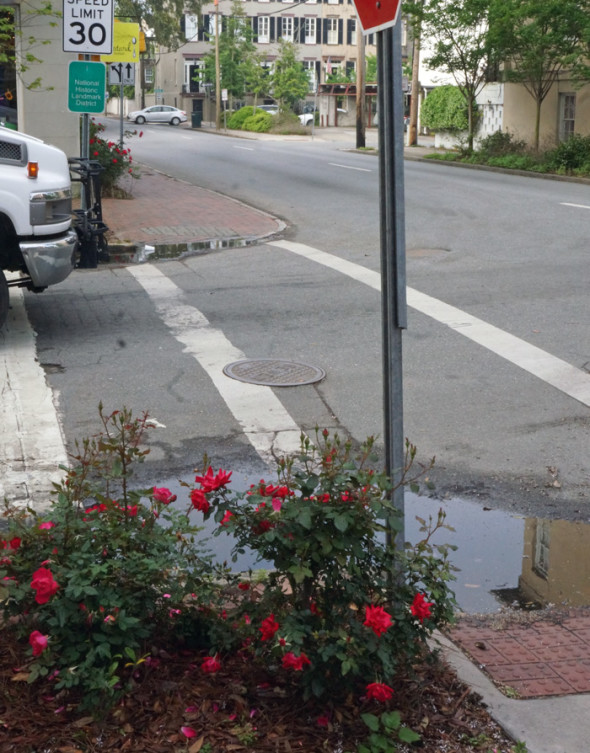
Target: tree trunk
pixel 360 89
pixel 539 102
pixel 471 124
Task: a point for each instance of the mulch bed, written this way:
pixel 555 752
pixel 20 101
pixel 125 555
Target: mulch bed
pixel 238 708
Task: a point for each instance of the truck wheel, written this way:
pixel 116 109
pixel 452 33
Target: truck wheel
pixel 3 299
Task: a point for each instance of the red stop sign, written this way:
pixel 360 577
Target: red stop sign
pixel 375 15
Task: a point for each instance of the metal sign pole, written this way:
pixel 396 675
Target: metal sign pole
pixel 393 267
pixel 121 101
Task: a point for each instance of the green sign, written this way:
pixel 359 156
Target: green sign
pixel 87 86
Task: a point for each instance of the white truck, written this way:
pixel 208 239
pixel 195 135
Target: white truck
pixel 37 239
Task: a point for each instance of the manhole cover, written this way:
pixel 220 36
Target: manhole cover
pixel 273 372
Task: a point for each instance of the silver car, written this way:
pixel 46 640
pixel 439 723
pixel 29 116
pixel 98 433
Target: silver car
pixel 158 114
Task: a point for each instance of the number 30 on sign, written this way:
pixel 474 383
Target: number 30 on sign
pixel 88 26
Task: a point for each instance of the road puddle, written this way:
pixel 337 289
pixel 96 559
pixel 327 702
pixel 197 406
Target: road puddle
pixel 501 559
pixel 146 252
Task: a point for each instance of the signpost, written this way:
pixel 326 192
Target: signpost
pixel 380 16
pixel 88 27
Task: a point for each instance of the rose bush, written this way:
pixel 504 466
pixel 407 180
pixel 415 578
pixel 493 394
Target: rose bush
pixel 106 572
pixel 339 603
pixel 116 159
pixel 111 573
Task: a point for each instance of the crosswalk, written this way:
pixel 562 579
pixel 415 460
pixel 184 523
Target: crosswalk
pixel 31 441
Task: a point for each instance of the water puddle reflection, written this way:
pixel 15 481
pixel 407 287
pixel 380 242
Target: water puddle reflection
pixel 146 252
pixel 502 559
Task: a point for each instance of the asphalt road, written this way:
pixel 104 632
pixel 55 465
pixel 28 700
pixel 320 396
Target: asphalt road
pixel 507 253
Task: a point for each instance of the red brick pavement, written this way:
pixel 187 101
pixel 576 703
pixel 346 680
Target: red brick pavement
pixel 166 210
pixel 542 657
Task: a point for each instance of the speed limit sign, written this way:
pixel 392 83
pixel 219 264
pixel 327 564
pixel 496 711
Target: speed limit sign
pixel 88 26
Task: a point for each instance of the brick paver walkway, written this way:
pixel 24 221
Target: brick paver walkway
pixel 167 210
pixel 544 657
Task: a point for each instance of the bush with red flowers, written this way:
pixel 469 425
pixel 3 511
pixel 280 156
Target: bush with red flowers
pixel 110 573
pixel 115 158
pixel 104 573
pixel 339 606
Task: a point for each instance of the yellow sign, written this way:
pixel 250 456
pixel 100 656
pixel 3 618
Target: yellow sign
pixel 125 44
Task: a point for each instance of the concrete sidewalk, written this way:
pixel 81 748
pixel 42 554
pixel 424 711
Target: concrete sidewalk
pixel 545 662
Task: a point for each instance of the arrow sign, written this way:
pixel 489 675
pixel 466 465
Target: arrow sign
pixel 122 73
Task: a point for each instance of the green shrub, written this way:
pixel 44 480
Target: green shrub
pixel 340 603
pixel 499 144
pixel 260 122
pixel 116 160
pixel 571 154
pixel 110 574
pixel 445 109
pixel 104 573
pixel 236 121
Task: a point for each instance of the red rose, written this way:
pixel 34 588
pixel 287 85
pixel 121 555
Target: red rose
pixel 211 665
pixel 379 692
pixel 163 495
pixel 226 517
pixel 12 544
pixel 44 585
pixel 420 607
pixel 262 527
pixel 199 500
pixel 38 642
pixel 268 628
pixel 210 482
pixel 290 661
pixel 377 619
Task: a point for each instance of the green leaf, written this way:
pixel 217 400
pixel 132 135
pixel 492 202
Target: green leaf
pixel 371 721
pixel 341 522
pixel 391 719
pixel 304 518
pixel 407 735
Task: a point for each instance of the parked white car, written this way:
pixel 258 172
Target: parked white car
pixel 306 118
pixel 158 114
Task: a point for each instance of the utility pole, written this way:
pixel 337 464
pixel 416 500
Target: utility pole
pixel 217 71
pixel 413 126
pixel 360 89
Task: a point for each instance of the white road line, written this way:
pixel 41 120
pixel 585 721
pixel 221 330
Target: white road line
pixel 31 442
pixel 578 206
pixel 267 425
pixel 348 167
pixel 245 148
pixel 560 374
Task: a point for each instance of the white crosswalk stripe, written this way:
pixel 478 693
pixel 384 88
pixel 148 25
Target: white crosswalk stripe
pixel 265 422
pixel 31 442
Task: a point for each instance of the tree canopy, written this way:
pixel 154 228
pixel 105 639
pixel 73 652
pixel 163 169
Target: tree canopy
pixel 458 34
pixel 161 17
pixel 290 81
pixel 538 39
pixel 237 55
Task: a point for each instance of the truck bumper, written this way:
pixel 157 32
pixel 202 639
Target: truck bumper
pixel 50 261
